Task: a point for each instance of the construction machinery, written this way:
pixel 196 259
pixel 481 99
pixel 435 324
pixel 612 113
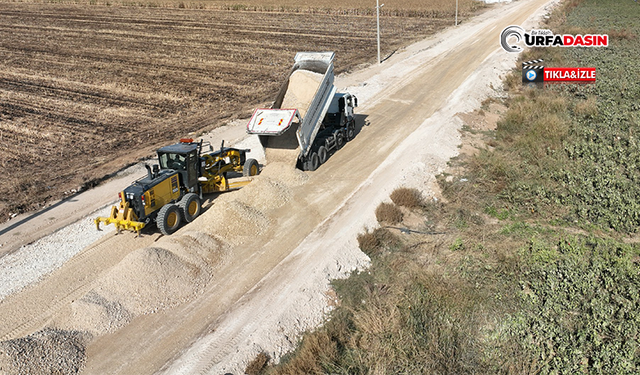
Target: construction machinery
pixel 324 122
pixel 172 190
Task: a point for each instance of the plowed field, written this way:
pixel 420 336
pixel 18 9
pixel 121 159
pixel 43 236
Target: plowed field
pixel 87 89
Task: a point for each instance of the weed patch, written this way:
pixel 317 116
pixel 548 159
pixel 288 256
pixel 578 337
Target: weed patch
pixel 407 197
pixel 388 213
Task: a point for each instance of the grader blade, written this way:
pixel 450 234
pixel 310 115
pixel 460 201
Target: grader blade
pixel 123 217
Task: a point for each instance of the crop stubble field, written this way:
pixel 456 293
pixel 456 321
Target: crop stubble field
pixel 87 89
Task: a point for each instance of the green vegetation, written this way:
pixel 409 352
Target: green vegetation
pixel 533 263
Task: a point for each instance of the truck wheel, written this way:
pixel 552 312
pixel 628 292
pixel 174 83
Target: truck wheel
pixel 313 162
pixel 351 130
pixel 190 207
pixel 322 154
pixel 251 168
pixel 339 140
pixel 168 219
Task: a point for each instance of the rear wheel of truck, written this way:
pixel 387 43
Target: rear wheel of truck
pixel 322 154
pixel 168 219
pixel 313 162
pixel 190 206
pixel 250 168
pixel 339 140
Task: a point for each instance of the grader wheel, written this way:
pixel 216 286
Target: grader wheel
pixel 190 207
pixel 250 168
pixel 168 219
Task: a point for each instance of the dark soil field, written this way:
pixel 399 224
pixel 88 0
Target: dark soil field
pixel 88 89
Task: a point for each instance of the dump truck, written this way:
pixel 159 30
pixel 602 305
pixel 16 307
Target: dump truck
pixel 307 103
pixel 172 191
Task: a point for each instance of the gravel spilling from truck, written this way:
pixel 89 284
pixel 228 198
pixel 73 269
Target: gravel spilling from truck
pixel 301 89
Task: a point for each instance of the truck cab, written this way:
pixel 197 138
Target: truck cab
pixel 340 110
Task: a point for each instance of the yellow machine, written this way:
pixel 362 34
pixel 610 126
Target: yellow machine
pixel 172 191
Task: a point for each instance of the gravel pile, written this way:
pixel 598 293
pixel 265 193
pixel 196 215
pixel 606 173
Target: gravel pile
pixel 233 220
pixel 284 174
pixel 50 351
pixel 264 193
pixel 151 279
pixel 96 315
pixel 28 265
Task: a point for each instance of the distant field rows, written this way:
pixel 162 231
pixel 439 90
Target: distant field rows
pixel 395 8
pixel 86 89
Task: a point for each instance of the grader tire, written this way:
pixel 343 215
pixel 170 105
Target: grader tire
pixel 250 168
pixel 168 219
pixel 190 206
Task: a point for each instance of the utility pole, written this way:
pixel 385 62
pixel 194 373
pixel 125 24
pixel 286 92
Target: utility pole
pixel 378 6
pixel 456 12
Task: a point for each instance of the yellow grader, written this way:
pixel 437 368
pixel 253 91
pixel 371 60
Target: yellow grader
pixel 172 191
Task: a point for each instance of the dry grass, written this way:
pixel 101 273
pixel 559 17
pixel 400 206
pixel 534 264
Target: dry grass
pixel 388 213
pixel 371 242
pixel 622 34
pixel 407 197
pixel 587 109
pixel 258 364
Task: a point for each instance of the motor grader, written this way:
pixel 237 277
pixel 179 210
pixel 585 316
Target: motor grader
pixel 172 190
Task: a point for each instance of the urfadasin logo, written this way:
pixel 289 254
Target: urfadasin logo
pixel 546 38
pixel 511 31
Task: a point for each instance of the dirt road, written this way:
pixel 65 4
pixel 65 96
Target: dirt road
pixel 259 279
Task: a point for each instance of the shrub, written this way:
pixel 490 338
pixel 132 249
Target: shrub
pixel 407 197
pixel 389 213
pixel 372 243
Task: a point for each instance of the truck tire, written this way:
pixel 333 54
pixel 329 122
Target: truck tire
pixel 339 139
pixel 250 168
pixel 190 207
pixel 322 154
pixel 168 220
pixel 351 130
pixel 313 162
